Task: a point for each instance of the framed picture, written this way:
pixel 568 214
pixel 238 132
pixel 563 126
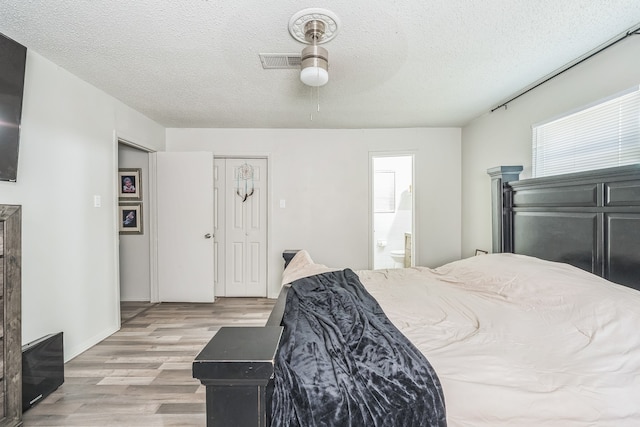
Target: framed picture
pixel 129 184
pixel 130 217
pixel 481 252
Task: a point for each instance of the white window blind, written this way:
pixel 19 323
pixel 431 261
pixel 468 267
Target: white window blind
pixel 601 135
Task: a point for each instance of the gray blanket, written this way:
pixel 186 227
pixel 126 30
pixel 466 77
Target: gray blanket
pixel 342 363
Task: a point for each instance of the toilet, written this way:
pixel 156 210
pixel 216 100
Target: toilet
pixel 398 257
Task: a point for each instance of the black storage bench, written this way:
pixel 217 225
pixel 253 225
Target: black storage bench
pixel 236 367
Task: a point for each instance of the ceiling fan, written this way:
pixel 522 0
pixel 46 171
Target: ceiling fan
pixel 314 27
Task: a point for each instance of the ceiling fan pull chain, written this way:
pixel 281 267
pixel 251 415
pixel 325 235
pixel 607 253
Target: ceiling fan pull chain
pixel 311 103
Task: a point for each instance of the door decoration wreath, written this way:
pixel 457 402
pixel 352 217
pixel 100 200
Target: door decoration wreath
pixel 244 181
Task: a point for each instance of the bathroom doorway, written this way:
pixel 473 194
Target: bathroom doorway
pixel 392 211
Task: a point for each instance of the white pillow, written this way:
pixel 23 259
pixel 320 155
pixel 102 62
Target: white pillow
pixel 301 265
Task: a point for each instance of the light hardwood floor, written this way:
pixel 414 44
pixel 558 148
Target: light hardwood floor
pixel 141 375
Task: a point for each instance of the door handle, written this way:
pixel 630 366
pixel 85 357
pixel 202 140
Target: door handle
pixel 208 236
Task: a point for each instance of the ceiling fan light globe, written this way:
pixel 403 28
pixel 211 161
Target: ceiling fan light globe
pixel 314 76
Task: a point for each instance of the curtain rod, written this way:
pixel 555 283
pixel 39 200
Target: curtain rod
pixel 635 30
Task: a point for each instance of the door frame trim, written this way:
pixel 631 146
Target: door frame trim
pixel 122 138
pixel 152 185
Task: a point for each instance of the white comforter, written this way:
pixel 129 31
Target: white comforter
pixel 517 341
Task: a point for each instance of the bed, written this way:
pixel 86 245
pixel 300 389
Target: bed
pixel 539 333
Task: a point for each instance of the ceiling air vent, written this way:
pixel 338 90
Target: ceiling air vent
pixel 272 61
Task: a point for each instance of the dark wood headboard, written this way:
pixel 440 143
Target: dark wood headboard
pixel 587 219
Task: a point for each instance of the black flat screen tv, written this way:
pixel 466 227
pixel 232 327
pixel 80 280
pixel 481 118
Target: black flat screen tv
pixel 12 63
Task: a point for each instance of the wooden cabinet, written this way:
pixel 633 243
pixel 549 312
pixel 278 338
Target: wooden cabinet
pixel 10 328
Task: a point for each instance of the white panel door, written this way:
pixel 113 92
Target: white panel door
pixel 246 229
pixel 185 227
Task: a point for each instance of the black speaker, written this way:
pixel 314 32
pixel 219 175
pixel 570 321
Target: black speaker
pixel 42 368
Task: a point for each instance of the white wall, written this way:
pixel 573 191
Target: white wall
pixel 504 137
pixel 68 154
pixel 324 177
pixel 135 254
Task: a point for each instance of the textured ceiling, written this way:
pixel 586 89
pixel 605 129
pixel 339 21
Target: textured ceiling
pixel 413 63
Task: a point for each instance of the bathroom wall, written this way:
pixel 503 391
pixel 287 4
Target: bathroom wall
pixel 390 227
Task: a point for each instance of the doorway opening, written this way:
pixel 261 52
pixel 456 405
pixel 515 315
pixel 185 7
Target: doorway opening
pixel 392 199
pixel 134 249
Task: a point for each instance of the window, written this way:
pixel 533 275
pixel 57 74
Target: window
pixel 601 135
